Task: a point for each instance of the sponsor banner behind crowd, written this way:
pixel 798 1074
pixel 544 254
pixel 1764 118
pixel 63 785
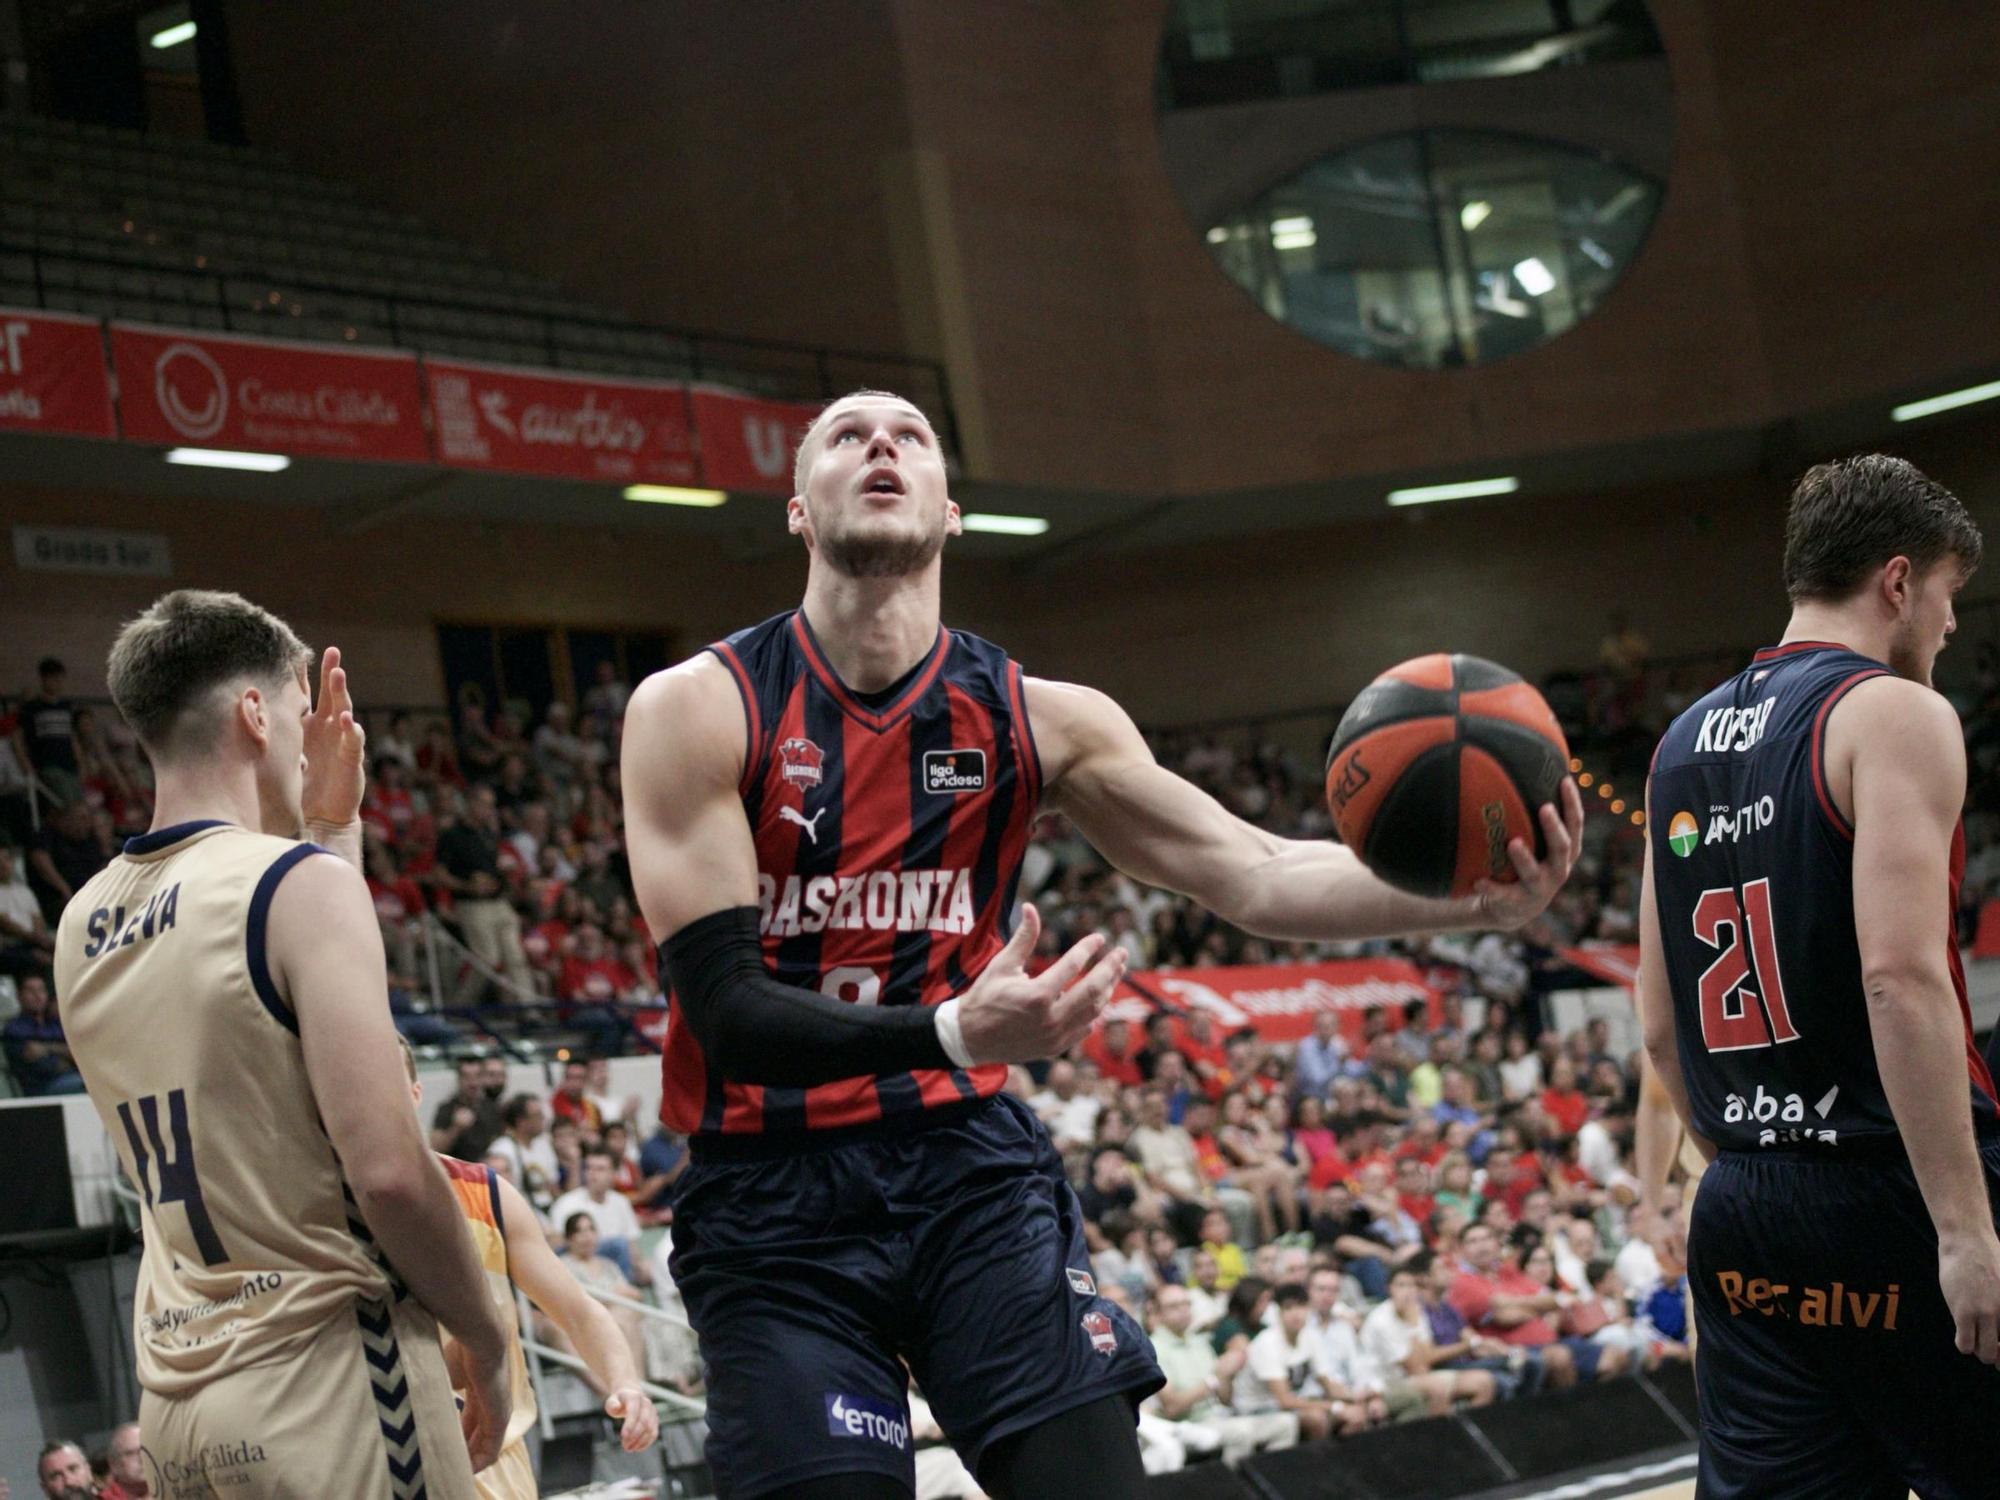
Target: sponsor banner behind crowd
pixel 595 427
pixel 52 375
pixel 308 400
pixel 1277 1001
pixel 1614 963
pixel 747 442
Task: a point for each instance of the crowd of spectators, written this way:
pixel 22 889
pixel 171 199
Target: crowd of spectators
pixel 1319 1237
pixel 66 1472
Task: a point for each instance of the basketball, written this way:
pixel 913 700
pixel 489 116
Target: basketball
pixel 1437 765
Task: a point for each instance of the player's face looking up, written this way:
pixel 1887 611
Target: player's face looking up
pixel 871 480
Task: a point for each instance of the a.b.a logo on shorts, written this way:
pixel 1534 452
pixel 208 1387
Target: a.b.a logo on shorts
pixel 1080 1282
pixel 1103 1337
pixel 859 1417
pixel 1683 834
pixel 947 771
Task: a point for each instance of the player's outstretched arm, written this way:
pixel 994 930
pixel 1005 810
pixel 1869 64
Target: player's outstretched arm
pixel 549 1285
pixel 1903 755
pixel 694 868
pixel 325 952
pixel 1164 830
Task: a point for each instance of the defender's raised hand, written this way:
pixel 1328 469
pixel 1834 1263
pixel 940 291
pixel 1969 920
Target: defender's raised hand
pixel 336 751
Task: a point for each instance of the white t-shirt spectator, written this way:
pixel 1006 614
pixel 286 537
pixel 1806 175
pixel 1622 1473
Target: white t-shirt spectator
pixel 1341 1359
pixel 533 1169
pixel 1298 1365
pixel 613 1217
pixel 18 906
pixel 1597 1152
pixel 1074 1119
pixel 1639 1269
pixel 1389 1341
pixel 1521 1077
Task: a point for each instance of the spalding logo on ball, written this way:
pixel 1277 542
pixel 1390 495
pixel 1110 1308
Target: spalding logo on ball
pixel 1437 765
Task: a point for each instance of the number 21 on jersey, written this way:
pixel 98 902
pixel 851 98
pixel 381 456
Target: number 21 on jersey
pixel 1735 1018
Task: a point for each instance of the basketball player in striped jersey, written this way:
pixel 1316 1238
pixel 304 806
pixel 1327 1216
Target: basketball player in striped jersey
pixel 222 987
pixel 826 815
pixel 515 1253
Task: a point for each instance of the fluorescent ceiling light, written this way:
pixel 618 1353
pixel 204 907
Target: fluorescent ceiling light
pixel 1470 489
pixel 1218 235
pixel 1293 233
pixel 1949 400
pixel 1004 525
pixel 1535 278
pixel 673 494
pixel 228 458
pixel 1474 214
pixel 173 36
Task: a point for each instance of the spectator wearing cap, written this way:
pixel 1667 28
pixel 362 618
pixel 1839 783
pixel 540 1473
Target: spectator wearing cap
pixel 37 1054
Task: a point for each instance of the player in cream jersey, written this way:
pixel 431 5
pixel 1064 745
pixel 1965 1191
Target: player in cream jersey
pixel 222 990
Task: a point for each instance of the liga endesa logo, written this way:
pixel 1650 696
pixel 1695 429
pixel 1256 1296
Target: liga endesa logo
pixel 192 392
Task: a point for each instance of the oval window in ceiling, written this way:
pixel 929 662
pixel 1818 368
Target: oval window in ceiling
pixel 1439 248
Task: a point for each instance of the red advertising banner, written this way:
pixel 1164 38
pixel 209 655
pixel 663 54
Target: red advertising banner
pixel 747 443
pixel 569 426
pixel 310 400
pixel 1280 1001
pixel 52 375
pixel 1614 963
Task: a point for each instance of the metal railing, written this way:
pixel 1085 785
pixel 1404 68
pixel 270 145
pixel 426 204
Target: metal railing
pixel 771 367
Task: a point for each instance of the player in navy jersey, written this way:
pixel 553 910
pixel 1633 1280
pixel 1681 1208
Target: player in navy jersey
pixel 1805 1007
pixel 826 816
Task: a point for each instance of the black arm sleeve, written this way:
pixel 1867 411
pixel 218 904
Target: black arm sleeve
pixel 755 1030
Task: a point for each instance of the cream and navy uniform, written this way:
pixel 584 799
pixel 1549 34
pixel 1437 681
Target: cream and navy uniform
pixel 278 1352
pixel 512 1476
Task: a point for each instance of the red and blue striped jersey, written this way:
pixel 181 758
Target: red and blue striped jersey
pixel 1753 877
pixel 889 830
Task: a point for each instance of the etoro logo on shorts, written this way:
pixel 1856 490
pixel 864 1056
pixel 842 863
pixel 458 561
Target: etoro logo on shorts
pixel 860 1417
pixel 1683 834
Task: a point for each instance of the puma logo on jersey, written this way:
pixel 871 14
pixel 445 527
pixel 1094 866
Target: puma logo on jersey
pixel 1733 728
pixel 810 825
pixel 886 901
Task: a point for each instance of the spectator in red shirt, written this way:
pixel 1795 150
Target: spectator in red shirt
pixel 1413 1189
pixel 1500 1302
pixel 1110 1048
pixel 573 1102
pixel 1205 1052
pixel 1562 1101
pixel 126 1461
pixel 399 903
pixel 592 974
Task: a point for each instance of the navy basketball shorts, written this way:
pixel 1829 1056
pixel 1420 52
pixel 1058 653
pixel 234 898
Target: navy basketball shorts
pixel 1827 1368
pixel 956 1245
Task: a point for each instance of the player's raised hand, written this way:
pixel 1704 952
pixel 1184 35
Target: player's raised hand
pixel 336 750
pixel 1522 900
pixel 631 1406
pixel 1012 1016
pixel 1969 1276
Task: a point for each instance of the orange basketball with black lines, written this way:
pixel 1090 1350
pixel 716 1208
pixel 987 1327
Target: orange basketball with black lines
pixel 1437 765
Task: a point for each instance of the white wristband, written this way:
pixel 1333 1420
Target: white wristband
pixel 950 1037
